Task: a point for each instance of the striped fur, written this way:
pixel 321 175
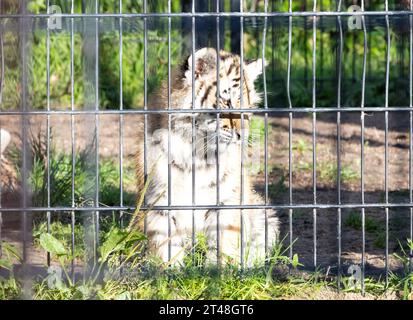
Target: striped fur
pixel 171 240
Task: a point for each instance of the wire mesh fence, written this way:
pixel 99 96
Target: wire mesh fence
pixel 338 73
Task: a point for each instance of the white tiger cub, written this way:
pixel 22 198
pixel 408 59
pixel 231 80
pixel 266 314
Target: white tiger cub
pixel 170 236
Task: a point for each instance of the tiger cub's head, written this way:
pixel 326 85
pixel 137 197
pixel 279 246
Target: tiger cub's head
pixel 229 85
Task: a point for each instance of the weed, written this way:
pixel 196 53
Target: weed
pixel 328 172
pixel 404 282
pixel 380 240
pixel 354 220
pixel 147 279
pixel 372 226
pixel 61 172
pixel 9 287
pixel 301 146
pixel 277 188
pixel 63 233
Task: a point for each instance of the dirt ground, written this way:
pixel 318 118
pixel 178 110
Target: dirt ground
pixel 303 226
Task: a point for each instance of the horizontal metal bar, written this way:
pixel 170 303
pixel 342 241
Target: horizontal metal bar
pixel 212 111
pixel 212 14
pixel 216 207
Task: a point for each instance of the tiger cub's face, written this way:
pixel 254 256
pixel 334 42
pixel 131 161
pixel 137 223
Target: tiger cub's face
pixel 232 128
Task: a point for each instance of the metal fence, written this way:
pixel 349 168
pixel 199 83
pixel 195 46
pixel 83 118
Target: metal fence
pixel 91 19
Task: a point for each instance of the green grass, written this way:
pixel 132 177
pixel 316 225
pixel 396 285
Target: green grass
pixel 380 240
pixel 61 189
pixel 277 188
pixel 9 288
pixel 157 66
pixel 372 226
pixel 151 281
pixel 301 146
pixel 60 169
pixel 63 232
pixel 327 172
pixel 144 277
pixel 193 285
pixel 354 221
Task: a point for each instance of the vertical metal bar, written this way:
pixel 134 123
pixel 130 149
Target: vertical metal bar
pixel 23 43
pixel 121 108
pixel 145 102
pixel 218 133
pixel 386 138
pixel 369 71
pixel 1 102
pixel 272 44
pixel 193 124
pixel 169 132
pixel 73 142
pixel 314 133
pixel 23 59
pixel 321 75
pixel 97 125
pixel 290 133
pixel 264 80
pixel 305 47
pixel 353 66
pixel 48 122
pixel 363 214
pixel 411 132
pixel 242 131
pixel 340 58
pixel 90 74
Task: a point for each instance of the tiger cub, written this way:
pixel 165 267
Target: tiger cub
pixel 171 234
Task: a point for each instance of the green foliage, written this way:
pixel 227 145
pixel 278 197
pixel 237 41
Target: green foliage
pixel 404 281
pixel 372 226
pixel 301 146
pixel 150 280
pixel 275 52
pixel 328 173
pixel 278 187
pixel 117 243
pixel 197 257
pixel 257 130
pixel 120 242
pixel 63 232
pixel 354 221
pixel 9 288
pixel 380 239
pixel 52 245
pixel 61 167
pixel 9 255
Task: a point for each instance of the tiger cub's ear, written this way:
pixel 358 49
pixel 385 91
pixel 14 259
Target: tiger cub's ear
pixel 254 69
pixel 205 62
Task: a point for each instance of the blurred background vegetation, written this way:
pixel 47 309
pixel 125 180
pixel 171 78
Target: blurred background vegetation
pixel 276 44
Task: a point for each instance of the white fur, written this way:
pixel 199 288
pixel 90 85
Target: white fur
pixel 178 227
pixel 4 139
